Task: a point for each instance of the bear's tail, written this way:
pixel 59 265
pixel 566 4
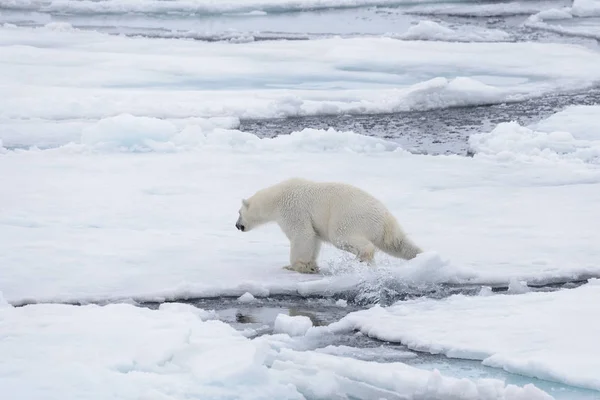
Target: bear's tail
pixel 396 243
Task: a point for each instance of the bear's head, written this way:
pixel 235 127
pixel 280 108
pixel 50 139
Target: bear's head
pixel 249 217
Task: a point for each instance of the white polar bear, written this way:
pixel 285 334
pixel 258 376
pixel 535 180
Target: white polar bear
pixel 310 213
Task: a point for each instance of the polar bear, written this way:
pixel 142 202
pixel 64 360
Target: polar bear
pixel 310 213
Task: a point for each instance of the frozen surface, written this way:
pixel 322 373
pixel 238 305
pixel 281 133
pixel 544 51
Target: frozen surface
pixel 544 335
pixel 59 81
pixel 152 217
pixel 62 351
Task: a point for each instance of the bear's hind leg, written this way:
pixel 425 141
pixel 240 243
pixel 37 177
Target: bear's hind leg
pixel 359 246
pixel 303 254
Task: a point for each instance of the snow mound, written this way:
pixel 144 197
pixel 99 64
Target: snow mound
pixel 129 133
pixel 586 8
pixel 547 335
pixel 511 141
pixel 292 325
pixel 552 14
pixel 581 121
pixel 430 30
pixel 127 352
pixel 246 298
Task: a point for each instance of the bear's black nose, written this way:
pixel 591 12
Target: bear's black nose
pixel 240 227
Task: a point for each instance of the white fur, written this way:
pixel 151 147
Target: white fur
pixel 310 213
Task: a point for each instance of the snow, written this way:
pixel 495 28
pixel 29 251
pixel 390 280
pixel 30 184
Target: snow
pixel 54 351
pixel 430 30
pixel 548 335
pixel 570 135
pixel 296 325
pixel 64 82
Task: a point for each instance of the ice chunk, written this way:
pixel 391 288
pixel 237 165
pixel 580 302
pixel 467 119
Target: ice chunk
pixel 341 303
pixel 327 376
pixel 580 121
pixel 586 8
pixel 430 30
pixel 547 335
pixel 246 298
pixel 552 14
pixel 292 325
pixel 486 291
pixel 516 286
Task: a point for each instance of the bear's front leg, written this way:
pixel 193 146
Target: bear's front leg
pixel 304 250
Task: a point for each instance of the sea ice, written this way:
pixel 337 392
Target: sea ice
pixel 190 6
pixel 547 335
pixel 53 85
pixel 112 224
pixel 54 351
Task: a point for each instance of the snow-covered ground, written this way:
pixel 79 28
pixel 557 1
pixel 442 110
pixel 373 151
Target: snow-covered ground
pixel 145 209
pixel 123 166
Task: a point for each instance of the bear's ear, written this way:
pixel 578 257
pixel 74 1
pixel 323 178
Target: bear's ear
pixel 245 203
